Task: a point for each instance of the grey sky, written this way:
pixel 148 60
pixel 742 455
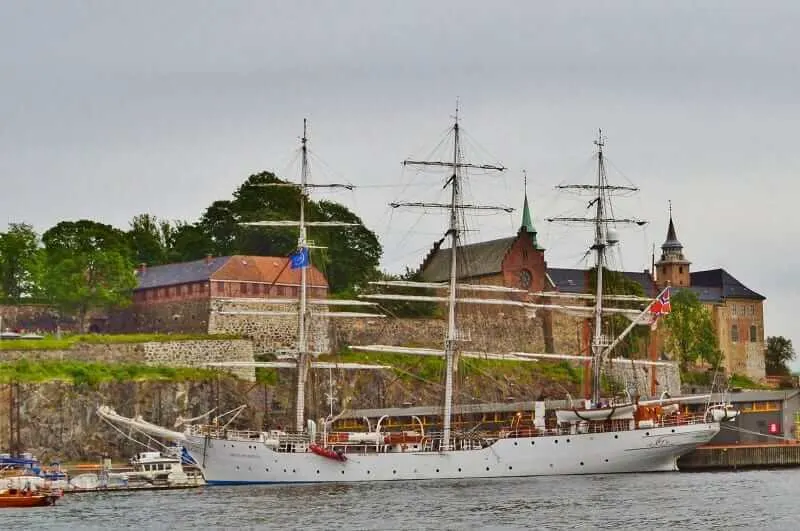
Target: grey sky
pixel 110 109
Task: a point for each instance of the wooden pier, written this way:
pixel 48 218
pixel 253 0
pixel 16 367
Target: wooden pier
pixel 737 457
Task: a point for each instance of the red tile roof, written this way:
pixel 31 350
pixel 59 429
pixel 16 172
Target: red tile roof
pixel 267 269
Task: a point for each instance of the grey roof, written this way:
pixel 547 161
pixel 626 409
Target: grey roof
pixel 672 239
pixel 474 260
pixel 717 285
pixel 569 280
pixel 748 396
pixel 577 280
pixel 180 273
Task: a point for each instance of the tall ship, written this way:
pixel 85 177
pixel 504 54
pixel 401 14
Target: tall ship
pixel 600 435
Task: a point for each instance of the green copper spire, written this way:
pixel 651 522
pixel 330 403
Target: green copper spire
pixel 527 221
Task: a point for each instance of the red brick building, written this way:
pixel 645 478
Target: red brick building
pixel 178 297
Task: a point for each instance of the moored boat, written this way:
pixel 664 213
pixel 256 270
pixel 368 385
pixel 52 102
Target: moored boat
pixel 627 436
pixel 19 498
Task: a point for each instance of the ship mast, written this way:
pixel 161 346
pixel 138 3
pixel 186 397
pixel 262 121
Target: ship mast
pixel 455 208
pixel 599 340
pixel 303 245
pixel 601 221
pixel 302 341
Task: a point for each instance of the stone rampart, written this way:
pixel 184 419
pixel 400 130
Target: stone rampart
pixel 196 353
pixel 272 327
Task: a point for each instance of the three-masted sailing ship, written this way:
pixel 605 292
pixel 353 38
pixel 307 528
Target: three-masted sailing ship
pixel 598 437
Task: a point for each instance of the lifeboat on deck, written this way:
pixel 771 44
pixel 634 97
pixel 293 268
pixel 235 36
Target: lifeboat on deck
pixel 327 452
pixel 403 437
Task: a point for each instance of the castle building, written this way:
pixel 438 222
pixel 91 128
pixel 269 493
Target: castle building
pixel 519 261
pixel 737 312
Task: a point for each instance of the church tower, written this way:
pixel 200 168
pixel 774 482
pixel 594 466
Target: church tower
pixel 673 267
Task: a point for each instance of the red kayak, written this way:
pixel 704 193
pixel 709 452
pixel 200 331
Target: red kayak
pixel 327 452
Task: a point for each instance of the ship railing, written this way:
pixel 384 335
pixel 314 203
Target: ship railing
pixel 218 432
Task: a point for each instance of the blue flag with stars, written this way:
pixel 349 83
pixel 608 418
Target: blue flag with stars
pixel 299 259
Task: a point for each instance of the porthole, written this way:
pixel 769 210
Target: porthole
pixel 616 436
pixel 556 441
pixel 459 470
pixel 647 433
pixel 284 470
pixel 515 443
pixel 532 443
pixel 266 470
pixel 437 470
pixel 581 463
pixel 510 467
pixel 317 471
pixel 606 460
pixel 293 471
pixel 237 467
pixel 567 440
pixel 487 468
pixel 394 471
pixel 342 472
pixel 367 472
pixel 673 430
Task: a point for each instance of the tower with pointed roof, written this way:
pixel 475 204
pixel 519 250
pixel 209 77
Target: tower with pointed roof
pixel 672 267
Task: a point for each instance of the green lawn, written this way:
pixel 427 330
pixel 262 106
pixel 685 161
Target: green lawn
pixel 80 372
pixel 52 343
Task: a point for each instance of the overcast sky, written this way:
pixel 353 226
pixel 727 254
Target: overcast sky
pixel 111 109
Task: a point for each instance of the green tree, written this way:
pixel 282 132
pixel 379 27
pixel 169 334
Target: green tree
pixel 19 261
pixel 352 253
pixel 88 265
pixel 691 333
pixel 778 355
pixel 149 239
pixel 188 241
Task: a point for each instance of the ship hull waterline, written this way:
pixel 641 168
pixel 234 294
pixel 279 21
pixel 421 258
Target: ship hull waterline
pixel 229 462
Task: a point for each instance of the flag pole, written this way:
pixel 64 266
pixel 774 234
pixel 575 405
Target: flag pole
pixel 636 321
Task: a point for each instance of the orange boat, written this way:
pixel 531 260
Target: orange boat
pixel 16 498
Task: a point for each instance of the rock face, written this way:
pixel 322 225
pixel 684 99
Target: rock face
pixel 58 420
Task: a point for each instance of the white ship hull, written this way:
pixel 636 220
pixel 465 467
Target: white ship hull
pixel 653 450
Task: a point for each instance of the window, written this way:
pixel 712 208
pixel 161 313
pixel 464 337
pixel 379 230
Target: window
pixel 751 310
pixel 733 310
pixel 243 288
pixel 220 287
pixel 734 333
pixel 680 269
pixel 189 288
pixel 753 333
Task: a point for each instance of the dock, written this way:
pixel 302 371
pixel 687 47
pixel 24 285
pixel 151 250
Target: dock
pixel 741 456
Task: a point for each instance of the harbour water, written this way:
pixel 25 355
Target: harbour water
pixel 763 499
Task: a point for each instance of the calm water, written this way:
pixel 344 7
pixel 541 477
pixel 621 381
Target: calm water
pixel 731 500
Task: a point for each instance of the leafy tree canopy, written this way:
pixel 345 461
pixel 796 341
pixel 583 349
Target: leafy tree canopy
pixel 347 255
pixel 88 265
pixel 691 332
pixel 780 353
pixel 19 261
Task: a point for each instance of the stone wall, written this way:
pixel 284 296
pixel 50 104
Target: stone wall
pixel 487 330
pixel 630 376
pixel 196 353
pixel 34 317
pixel 269 333
pixel 189 316
pixel 190 353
